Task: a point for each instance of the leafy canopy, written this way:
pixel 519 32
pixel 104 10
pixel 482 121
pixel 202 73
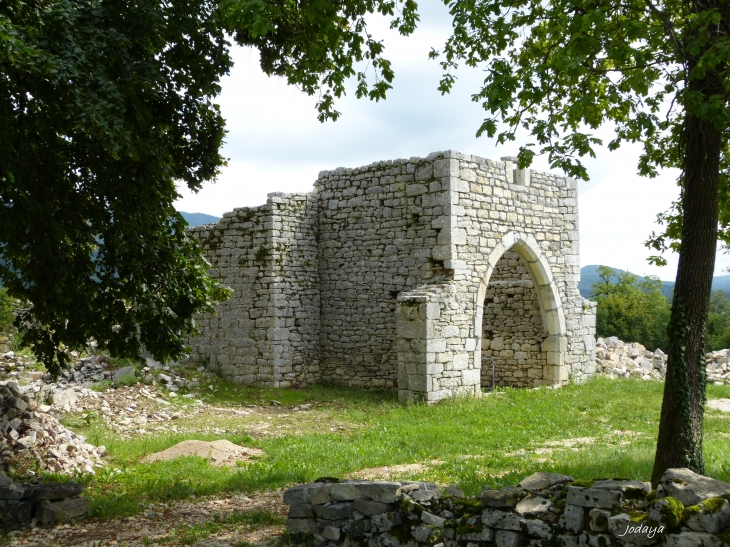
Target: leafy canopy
pixel 560 69
pixel 633 310
pixel 318 44
pixel 103 106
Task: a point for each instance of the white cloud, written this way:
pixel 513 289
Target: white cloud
pixel 276 144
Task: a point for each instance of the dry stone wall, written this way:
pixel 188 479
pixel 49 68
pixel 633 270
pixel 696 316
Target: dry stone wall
pixel 379 277
pixel 513 327
pixel 544 510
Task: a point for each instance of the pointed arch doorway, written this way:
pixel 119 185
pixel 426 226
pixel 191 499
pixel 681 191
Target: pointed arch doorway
pixel 520 323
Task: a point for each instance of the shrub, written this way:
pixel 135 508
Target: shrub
pixel 7 304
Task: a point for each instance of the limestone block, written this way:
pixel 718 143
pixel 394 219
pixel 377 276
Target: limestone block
pixel 631 489
pixel 639 533
pixel 504 538
pixel 471 376
pixel 386 521
pixel 433 520
pixel 418 382
pixel 572 518
pixel 711 516
pixel 302 493
pixel 502 498
pixel 52 512
pixel 301 510
pixel 450 331
pixel 533 506
pixel 54 491
pixel 446 168
pixel 483 535
pixel 598 520
pixel 502 520
pixel 442 252
pixel 379 491
pixel 538 528
pixel 593 497
pixel 300 526
pixel 692 539
pixel 691 488
pixel 555 374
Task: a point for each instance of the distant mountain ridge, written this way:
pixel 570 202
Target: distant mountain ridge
pixel 589 276
pixel 198 219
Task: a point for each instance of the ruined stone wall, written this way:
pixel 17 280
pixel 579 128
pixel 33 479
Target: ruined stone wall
pixel 229 341
pixel 268 332
pixel 513 327
pixel 495 200
pixel 378 278
pixel 377 226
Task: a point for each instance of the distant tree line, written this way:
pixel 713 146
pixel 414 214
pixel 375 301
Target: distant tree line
pixel 636 310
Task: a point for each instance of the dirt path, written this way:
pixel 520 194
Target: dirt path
pixel 207 522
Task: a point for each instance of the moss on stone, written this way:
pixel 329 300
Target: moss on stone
pixel 467 506
pixel 692 510
pixel 476 528
pixel 583 483
pixel 637 516
pixel 651 496
pixel 401 533
pixel 408 506
pixel 670 511
pixel 724 536
pixel 712 505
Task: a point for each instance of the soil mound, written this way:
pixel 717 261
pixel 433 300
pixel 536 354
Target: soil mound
pixel 220 452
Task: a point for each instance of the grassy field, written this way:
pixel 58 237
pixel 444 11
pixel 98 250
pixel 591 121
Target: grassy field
pixel 605 428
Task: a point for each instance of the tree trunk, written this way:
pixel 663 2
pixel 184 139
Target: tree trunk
pixel 680 428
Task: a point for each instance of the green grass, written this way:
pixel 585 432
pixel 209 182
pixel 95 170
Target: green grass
pixel 229 393
pixel 472 443
pixel 102 386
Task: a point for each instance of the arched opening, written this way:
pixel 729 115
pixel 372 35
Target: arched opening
pixel 513 330
pixel 519 321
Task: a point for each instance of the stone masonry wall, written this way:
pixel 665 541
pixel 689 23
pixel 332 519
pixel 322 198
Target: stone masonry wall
pixel 491 209
pixel 236 247
pixel 268 332
pixel 513 327
pixel 378 278
pixel 376 234
pixel 543 510
pixel 494 200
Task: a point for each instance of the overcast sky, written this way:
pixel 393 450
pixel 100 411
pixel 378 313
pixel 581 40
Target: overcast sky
pixel 276 144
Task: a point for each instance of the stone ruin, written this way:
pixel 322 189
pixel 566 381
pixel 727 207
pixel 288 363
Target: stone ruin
pixel 543 510
pixel 437 276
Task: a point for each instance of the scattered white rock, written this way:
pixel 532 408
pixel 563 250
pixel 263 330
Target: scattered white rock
pixel 27 432
pixel 617 359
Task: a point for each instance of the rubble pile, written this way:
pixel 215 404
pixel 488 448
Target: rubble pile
pixel 28 504
pixel 617 359
pixel 75 382
pixel 27 433
pixel 545 509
